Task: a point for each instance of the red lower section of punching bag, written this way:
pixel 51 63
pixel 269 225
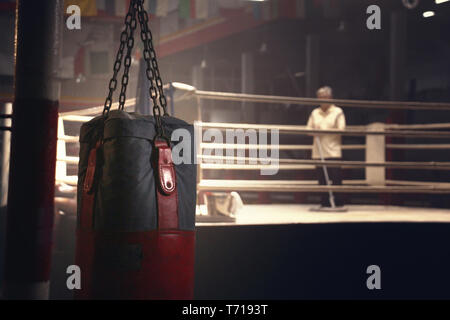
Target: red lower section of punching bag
pixel 136 265
pixel 156 264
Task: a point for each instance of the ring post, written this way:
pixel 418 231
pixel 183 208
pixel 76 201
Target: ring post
pixel 375 153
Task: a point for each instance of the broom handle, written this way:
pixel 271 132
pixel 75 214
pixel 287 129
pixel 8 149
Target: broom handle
pixel 325 171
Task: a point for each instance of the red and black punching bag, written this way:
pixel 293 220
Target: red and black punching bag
pixel 136 207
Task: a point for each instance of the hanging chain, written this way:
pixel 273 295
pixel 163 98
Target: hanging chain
pixel 131 19
pixel 150 54
pixel 118 62
pixel 152 71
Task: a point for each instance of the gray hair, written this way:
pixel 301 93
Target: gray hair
pixel 325 91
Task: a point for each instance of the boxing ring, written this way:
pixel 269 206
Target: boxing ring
pixel 375 148
pixel 283 250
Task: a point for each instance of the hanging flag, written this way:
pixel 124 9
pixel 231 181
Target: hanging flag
pixel 169 24
pixel 151 6
pixel 101 5
pixel 110 7
pixel 266 10
pixel 274 10
pixel 7 4
pixel 213 8
pixel 193 12
pixel 330 8
pixel 173 5
pixel 300 9
pixel 87 7
pixel 78 63
pixel 231 4
pixel 313 9
pixel 288 8
pixel 162 8
pixel 257 10
pixel 201 9
pixel 120 8
pixel 184 10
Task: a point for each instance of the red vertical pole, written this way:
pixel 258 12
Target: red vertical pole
pixel 33 149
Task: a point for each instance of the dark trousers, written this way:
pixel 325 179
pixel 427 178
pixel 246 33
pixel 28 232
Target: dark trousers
pixel 335 176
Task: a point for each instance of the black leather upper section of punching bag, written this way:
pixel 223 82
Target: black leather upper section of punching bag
pixel 125 182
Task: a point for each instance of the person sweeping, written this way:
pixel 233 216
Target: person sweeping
pixel 327 146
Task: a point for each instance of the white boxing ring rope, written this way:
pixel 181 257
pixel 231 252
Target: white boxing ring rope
pixel 394 130
pixel 191 91
pixel 211 145
pixel 292 129
pixel 333 163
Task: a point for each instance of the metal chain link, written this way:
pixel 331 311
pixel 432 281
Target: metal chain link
pixel 131 20
pixel 152 71
pixel 150 54
pixel 118 62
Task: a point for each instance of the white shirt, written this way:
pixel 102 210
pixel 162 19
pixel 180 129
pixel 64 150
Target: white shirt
pixel 333 118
